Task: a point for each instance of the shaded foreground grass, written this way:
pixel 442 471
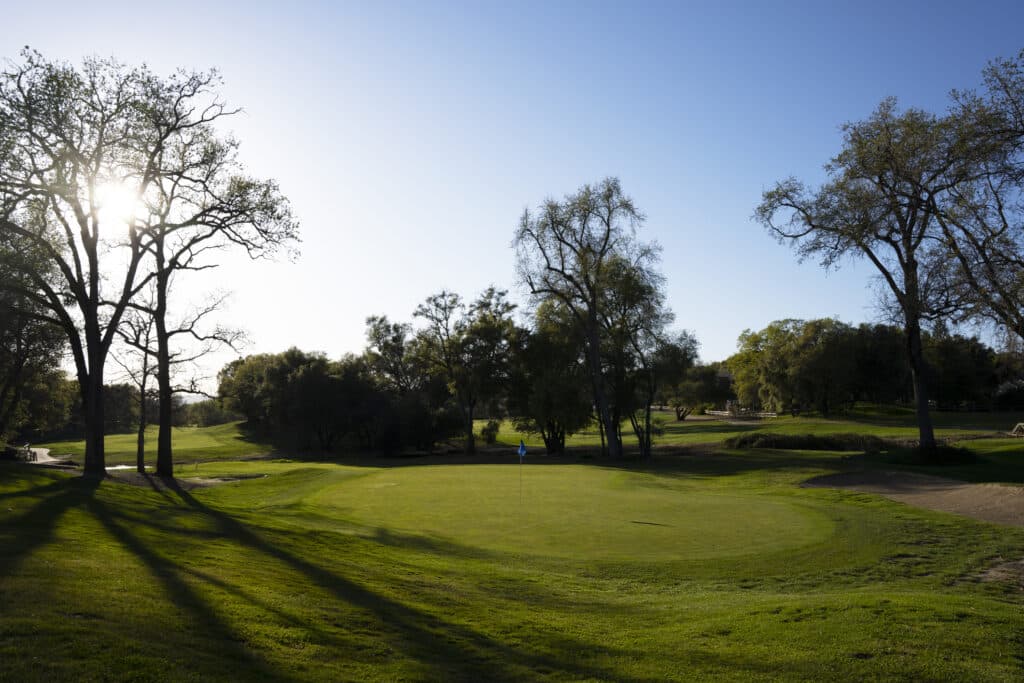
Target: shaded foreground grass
pixel 429 572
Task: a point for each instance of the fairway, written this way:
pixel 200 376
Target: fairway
pixel 573 512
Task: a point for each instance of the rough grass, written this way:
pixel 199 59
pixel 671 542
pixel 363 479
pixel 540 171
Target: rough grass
pixel 716 566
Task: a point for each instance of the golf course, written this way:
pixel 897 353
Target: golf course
pixel 502 342
pixel 704 562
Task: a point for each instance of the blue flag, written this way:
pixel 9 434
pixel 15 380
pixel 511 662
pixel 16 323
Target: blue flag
pixel 522 449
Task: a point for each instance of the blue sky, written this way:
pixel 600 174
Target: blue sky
pixel 410 137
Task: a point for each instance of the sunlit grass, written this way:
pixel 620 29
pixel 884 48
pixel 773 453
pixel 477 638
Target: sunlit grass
pixel 190 444
pixel 317 571
pixel 887 423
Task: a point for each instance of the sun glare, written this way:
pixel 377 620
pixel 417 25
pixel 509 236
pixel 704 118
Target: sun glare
pixel 117 202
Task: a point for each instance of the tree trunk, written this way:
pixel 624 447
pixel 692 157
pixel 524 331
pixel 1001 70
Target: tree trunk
pixel 915 355
pixel 165 395
pixel 614 443
pixel 90 380
pixel 140 447
pixel 918 373
pixel 647 429
pixel 92 407
pixel 470 436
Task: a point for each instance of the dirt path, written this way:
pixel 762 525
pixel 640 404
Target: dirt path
pixel 988 502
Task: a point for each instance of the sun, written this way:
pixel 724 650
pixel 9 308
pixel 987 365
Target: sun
pixel 117 202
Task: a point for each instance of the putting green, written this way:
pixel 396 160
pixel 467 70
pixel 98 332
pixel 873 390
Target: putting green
pixel 572 512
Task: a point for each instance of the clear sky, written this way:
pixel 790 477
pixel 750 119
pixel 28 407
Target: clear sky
pixel 411 136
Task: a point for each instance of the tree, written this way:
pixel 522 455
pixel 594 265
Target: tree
pixel 469 348
pixel 699 386
pixel 295 396
pixel 30 351
pixel 549 389
pixel 824 364
pixel 634 323
pixel 418 398
pixel 122 405
pixel 65 136
pixel 879 356
pixel 389 354
pixel 822 368
pixel 981 209
pixel 137 331
pixel 962 371
pixel 150 332
pixel 877 205
pixel 761 367
pixel 104 166
pixel 202 200
pixel 563 252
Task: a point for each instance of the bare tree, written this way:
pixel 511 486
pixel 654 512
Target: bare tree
pixel 188 339
pixel 137 333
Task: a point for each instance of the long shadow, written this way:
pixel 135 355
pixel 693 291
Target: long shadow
pixel 454 652
pixel 224 639
pixel 23 534
pixel 56 481
pixel 265 606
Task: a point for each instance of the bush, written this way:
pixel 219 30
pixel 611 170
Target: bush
pixel 489 432
pixel 208 413
pixel 811 442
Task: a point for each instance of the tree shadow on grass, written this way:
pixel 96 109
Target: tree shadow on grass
pixel 224 641
pixel 51 481
pixel 20 536
pixel 450 650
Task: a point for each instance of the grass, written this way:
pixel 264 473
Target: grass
pixel 705 566
pixel 191 444
pixel 865 421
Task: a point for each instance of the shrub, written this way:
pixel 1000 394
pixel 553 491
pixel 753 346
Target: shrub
pixel 489 432
pixel 811 442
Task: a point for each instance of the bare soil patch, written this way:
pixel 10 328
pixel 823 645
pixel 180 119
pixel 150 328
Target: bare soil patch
pixel 988 502
pixel 1005 572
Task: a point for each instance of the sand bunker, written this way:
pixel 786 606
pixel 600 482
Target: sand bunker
pixel 988 502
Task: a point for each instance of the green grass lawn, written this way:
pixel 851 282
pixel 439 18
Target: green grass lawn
pixel 191 444
pixel 889 423
pixel 703 566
